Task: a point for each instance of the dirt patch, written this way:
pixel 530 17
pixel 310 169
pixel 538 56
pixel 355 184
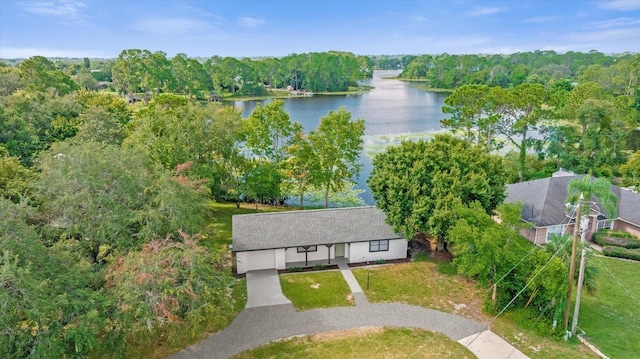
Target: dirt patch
pixel 344 334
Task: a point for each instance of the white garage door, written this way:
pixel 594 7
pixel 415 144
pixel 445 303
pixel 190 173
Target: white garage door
pixel 257 260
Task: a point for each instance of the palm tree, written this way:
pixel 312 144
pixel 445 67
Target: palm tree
pixel 585 191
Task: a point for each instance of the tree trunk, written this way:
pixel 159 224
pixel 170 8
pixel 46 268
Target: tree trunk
pixel 326 196
pixel 301 200
pixel 522 156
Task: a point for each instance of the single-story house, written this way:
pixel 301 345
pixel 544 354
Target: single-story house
pixel 281 240
pixel 544 204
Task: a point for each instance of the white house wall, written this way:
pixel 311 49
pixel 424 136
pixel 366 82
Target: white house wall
pixel 255 260
pixel 359 252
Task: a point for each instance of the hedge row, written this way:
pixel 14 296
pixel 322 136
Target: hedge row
pixel 616 239
pixel 619 252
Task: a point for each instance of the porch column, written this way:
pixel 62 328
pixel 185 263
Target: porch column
pixel 306 255
pixel 329 252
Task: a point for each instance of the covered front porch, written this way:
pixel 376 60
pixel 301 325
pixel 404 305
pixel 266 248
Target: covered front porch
pixel 323 254
pixel 315 262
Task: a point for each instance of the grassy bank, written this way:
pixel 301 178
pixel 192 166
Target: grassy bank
pixel 611 318
pixel 364 343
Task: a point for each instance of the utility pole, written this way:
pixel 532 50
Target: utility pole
pixel 576 310
pixel 572 265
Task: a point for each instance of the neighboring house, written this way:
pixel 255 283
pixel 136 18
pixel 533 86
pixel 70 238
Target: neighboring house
pixel 544 205
pixel 281 240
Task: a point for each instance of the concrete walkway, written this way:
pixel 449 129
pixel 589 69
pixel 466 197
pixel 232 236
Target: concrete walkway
pixel 487 344
pixel 261 323
pixel 358 294
pixel 263 289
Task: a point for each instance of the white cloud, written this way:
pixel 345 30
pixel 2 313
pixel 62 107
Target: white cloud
pixel 619 5
pixel 250 22
pixel 501 50
pixel 484 11
pixel 63 8
pixel 540 20
pixel 26 52
pixel 177 26
pixel 419 18
pixel 617 22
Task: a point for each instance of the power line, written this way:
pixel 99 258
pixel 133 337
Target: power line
pixel 520 292
pixel 473 304
pixel 617 281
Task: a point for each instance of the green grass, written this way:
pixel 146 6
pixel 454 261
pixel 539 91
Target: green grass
pixel 364 343
pixel 424 284
pixel 316 290
pixel 418 283
pixel 611 318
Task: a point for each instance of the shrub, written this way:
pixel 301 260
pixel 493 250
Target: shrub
pixel 319 266
pixel 379 261
pixel 295 269
pixel 620 252
pixel 616 238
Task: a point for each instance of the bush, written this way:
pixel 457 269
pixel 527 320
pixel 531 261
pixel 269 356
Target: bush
pixel 616 238
pixel 319 267
pixel 295 269
pixel 620 252
pixel 379 261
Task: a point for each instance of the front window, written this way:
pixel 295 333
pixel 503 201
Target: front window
pixel 554 230
pixel 605 224
pixel 379 246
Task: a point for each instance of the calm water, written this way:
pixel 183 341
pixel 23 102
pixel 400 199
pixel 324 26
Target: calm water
pixel 391 110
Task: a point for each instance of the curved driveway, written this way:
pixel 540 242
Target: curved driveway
pixel 258 325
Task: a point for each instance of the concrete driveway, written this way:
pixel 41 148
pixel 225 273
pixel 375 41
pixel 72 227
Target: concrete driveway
pixel 263 289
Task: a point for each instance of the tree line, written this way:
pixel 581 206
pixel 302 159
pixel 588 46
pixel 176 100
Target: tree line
pixel 615 72
pixel 137 71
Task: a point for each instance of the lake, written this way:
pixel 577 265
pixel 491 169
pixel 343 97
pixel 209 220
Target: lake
pixel 392 110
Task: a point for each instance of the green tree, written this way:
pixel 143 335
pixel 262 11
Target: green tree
pixel 299 167
pixel 471 113
pixel 15 180
pixel 269 130
pixel 40 74
pixel 522 111
pixel 112 200
pixel 337 143
pixel 262 183
pixel 49 306
pixel 631 171
pixel 419 184
pixel 168 282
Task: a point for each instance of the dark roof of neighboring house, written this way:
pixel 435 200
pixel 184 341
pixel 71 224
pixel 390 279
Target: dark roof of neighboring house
pixel 310 227
pixel 543 201
pixel 628 205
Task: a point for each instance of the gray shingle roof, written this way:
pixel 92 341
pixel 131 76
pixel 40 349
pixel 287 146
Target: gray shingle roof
pixel 543 201
pixel 310 227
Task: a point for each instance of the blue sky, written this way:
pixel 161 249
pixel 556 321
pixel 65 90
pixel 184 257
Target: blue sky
pixel 85 28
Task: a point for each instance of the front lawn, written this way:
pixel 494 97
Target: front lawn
pixel 422 284
pixel 611 318
pixel 364 343
pixel 316 290
pixel 432 285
